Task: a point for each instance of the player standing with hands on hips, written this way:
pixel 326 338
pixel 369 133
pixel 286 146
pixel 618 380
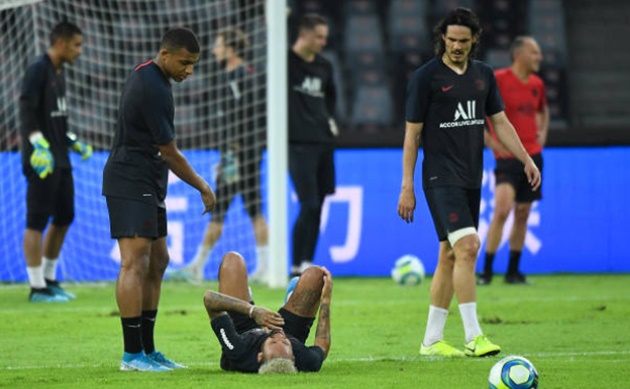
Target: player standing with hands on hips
pixel 526 106
pixel 312 129
pixel 135 180
pixel 45 162
pixel 447 101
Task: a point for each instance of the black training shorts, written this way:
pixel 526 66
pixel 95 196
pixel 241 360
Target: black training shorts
pixel 453 208
pixel 510 170
pixel 130 217
pixel 248 185
pixel 51 196
pixel 296 326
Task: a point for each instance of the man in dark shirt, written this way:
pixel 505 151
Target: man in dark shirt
pixel 254 339
pixel 45 161
pixel 135 180
pixel 241 152
pixel 447 101
pixel 312 129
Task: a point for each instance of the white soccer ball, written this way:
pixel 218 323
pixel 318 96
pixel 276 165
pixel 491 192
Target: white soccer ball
pixel 513 372
pixel 408 270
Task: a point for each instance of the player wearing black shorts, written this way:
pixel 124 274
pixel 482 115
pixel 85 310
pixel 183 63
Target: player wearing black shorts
pixel 312 98
pixel 45 162
pixel 447 101
pixel 254 339
pixel 240 124
pixel 135 181
pixel 523 93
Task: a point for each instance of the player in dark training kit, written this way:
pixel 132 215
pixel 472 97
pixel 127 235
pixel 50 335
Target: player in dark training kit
pixel 448 99
pixel 45 161
pixel 256 340
pixel 312 98
pixel 241 153
pixel 135 180
pixel 526 106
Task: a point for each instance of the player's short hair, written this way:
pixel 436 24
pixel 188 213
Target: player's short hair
pixel 517 43
pixel 180 37
pixel 458 17
pixel 234 38
pixel 278 366
pixel 310 21
pixel 64 30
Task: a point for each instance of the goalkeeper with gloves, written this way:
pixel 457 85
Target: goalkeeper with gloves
pixel 45 162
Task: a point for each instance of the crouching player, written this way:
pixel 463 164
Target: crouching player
pixel 255 339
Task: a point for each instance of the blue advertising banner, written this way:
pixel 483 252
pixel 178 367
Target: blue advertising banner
pixel 579 226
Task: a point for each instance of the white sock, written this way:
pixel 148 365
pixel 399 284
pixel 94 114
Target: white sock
pixel 262 258
pixel 470 321
pixel 201 257
pixel 50 268
pixel 435 325
pixel 36 276
pixel 305 265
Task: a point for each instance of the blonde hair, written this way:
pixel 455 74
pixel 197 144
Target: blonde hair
pixel 278 366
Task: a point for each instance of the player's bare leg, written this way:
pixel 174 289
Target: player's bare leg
pixel 304 301
pixel 32 245
pixel 194 271
pixel 233 277
pixel 441 297
pixel 261 233
pixel 517 240
pixel 504 201
pixel 53 241
pixel 135 254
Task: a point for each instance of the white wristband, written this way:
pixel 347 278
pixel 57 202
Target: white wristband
pixel 251 310
pixel 35 137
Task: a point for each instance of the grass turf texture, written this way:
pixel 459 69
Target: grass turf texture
pixel 573 328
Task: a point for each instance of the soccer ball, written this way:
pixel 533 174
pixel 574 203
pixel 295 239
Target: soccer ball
pixel 513 372
pixel 408 270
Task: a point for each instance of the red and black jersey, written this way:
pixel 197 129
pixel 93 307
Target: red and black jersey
pixel 523 100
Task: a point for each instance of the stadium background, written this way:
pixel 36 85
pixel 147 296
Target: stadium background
pixel 374 45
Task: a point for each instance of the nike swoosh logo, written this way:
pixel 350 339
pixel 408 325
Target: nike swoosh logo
pixel 447 88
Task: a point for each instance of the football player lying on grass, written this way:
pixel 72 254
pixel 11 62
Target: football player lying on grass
pixel 255 339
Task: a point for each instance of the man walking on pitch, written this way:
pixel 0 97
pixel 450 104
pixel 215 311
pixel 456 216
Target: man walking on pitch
pixel 45 163
pixel 312 98
pixel 135 180
pixel 256 340
pixel 447 100
pixel 241 154
pixel 526 107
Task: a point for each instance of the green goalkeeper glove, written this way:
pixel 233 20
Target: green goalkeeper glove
pixel 42 159
pixel 80 147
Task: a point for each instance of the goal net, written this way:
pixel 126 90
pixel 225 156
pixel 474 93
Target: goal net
pixel 117 36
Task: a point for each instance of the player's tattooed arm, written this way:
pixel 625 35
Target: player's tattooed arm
pixel 322 333
pixel 218 304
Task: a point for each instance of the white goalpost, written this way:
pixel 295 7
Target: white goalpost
pixel 117 36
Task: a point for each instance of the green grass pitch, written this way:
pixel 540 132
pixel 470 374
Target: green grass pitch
pixel 575 329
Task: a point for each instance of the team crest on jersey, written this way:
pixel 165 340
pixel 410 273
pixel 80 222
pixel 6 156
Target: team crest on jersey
pixel 479 84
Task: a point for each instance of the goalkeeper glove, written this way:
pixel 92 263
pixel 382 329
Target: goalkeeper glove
pixel 42 159
pixel 80 147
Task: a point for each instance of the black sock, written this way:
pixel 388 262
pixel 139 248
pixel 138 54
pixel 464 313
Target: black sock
pixel 515 260
pixel 148 324
pixel 487 267
pixel 132 334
